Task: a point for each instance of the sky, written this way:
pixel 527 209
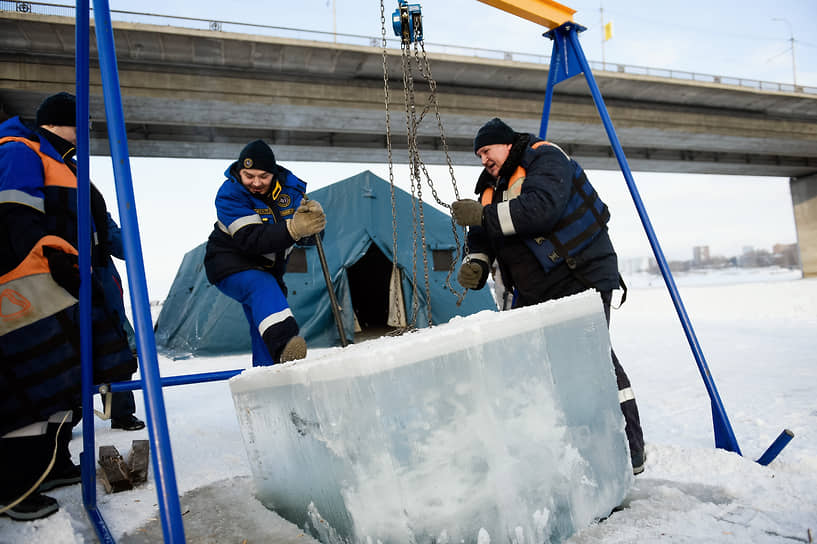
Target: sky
pixel 759 344
pixel 726 213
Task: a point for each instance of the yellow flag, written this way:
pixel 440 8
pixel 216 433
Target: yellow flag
pixel 608 31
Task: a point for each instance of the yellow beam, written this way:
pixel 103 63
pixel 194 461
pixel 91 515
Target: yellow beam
pixel 543 12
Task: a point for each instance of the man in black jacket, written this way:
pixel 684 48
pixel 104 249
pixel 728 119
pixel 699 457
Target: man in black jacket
pixel 543 223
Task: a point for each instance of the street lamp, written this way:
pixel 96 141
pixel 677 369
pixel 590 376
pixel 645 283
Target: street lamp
pixel 791 39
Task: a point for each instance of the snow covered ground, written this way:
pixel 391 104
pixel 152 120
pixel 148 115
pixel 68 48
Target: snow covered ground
pixel 757 329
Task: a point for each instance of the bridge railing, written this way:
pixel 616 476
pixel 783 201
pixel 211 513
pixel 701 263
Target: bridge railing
pixel 44 8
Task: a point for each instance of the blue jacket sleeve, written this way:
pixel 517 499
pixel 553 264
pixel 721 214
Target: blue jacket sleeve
pixel 22 205
pixel 252 234
pixel 115 244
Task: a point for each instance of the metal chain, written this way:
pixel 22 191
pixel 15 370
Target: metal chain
pixel 424 68
pixel 417 168
pixel 395 271
pixel 413 155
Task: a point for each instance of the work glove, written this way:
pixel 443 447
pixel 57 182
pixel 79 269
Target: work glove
pixel 471 274
pixel 467 213
pixel 307 220
pixel 64 269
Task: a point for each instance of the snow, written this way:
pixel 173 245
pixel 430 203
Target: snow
pixel 757 332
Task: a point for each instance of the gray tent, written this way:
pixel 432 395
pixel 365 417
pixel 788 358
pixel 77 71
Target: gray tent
pixel 196 318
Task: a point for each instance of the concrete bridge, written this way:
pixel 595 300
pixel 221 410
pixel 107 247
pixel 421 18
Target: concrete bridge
pixel 205 93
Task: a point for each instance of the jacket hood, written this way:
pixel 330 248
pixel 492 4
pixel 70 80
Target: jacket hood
pixel 15 127
pixel 232 172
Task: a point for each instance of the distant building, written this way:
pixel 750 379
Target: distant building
pixel 633 265
pixel 786 255
pixel 782 255
pixel 700 255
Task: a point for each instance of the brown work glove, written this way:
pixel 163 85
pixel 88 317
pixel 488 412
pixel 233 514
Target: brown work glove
pixel 307 220
pixel 467 213
pixel 471 274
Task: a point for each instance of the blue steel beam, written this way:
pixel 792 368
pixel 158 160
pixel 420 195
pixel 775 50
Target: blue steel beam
pixel 568 60
pixel 175 380
pixel 87 458
pixel 777 446
pixel 163 468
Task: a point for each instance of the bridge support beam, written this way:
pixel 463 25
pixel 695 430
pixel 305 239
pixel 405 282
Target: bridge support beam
pixel 804 202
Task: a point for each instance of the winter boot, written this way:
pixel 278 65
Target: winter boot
pixel 294 349
pixel 64 472
pixel 639 459
pixel 23 460
pixel 61 475
pixel 129 423
pixel 35 506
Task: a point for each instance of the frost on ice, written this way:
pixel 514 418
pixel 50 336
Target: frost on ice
pixel 497 427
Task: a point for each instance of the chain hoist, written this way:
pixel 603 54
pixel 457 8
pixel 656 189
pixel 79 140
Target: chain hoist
pixel 407 24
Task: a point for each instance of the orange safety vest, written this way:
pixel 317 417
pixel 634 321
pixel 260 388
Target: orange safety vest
pixel 29 293
pixel 518 176
pixel 56 173
pixel 39 330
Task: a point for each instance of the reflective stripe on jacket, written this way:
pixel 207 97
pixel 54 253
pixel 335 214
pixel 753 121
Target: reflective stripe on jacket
pixel 29 293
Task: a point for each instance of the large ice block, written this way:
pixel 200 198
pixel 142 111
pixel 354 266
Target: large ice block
pixel 497 427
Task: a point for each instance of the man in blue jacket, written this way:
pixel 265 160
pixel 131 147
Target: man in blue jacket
pixel 40 378
pixel 261 213
pixel 543 223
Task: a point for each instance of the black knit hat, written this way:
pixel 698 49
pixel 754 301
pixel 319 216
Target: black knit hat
pixel 258 155
pixel 58 109
pixel 494 131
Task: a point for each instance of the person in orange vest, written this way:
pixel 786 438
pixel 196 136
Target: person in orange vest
pixel 542 222
pixel 40 374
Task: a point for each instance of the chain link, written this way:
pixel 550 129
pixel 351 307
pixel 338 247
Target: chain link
pixel 395 275
pixel 424 68
pixel 417 168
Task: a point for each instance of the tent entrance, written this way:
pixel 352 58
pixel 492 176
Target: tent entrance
pixel 369 281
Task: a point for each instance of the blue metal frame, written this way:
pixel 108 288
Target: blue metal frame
pixel 168 498
pixel 176 380
pixel 568 60
pixel 151 382
pixel 87 458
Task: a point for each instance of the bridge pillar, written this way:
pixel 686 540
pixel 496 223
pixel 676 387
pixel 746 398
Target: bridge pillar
pixel 804 201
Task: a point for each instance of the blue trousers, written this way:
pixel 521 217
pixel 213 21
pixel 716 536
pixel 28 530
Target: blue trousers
pixel 271 321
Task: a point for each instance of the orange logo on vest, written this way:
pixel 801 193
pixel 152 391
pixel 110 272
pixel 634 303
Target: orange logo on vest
pixel 13 304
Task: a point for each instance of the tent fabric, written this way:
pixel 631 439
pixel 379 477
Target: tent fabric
pixel 197 319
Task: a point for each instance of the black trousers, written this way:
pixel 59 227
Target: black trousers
pixel 635 437
pixel 122 404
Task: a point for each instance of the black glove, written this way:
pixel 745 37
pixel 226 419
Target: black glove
pixel 64 269
pixel 472 274
pixel 467 213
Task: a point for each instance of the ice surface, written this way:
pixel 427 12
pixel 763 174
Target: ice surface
pixel 497 427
